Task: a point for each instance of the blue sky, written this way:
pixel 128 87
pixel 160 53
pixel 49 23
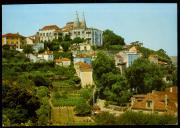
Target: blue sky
pixel 153 24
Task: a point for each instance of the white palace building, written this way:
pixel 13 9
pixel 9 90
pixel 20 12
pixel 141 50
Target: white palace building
pixel 75 29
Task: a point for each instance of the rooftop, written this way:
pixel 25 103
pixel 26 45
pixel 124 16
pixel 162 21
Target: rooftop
pixel 59 60
pixel 158 97
pixel 12 35
pixel 50 27
pixel 83 65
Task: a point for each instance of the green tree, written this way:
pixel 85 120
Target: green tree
pixel 110 38
pixel 5 121
pixel 82 108
pixel 116 88
pixel 67 38
pixel 40 80
pixel 44 113
pixel 41 51
pixel 6 47
pixel 18 104
pixel 53 45
pixel 77 40
pixel 144 76
pixel 86 93
pixel 65 45
pixel 102 65
pixel 42 91
pixel 28 49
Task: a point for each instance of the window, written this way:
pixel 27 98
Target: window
pixel 88 32
pixel 131 58
pixel 149 104
pixel 46 34
pixel 78 33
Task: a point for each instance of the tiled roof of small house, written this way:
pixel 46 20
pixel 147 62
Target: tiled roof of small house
pixel 83 55
pixel 158 97
pixel 59 60
pixel 83 65
pixel 48 52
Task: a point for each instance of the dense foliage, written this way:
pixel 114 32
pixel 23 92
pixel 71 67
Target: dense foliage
pixel 110 38
pixel 26 89
pixel 19 105
pixel 134 118
pixel 110 83
pixel 83 108
pixel 144 76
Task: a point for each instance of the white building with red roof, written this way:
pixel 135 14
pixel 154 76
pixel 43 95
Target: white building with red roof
pixel 50 32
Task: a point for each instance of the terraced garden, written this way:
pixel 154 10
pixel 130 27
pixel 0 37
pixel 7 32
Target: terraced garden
pixel 64 98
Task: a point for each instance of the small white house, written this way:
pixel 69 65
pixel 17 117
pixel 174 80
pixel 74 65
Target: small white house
pixel 48 56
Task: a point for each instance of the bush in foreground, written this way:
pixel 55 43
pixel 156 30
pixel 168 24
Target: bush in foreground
pixel 134 118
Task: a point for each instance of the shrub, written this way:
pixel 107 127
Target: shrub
pixel 105 118
pixel 83 108
pixel 40 80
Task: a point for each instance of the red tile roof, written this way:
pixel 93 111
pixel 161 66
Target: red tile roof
pixel 83 65
pixel 83 55
pixel 158 97
pixel 12 35
pixel 59 60
pixel 50 27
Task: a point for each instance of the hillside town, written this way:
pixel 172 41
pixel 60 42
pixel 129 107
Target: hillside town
pixel 75 77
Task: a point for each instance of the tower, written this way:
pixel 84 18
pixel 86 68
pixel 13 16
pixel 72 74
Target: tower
pixel 76 22
pixel 83 21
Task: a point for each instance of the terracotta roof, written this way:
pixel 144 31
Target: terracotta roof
pixel 83 65
pixel 59 60
pixel 50 27
pixel 83 55
pixel 158 97
pixel 48 52
pixel 12 35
